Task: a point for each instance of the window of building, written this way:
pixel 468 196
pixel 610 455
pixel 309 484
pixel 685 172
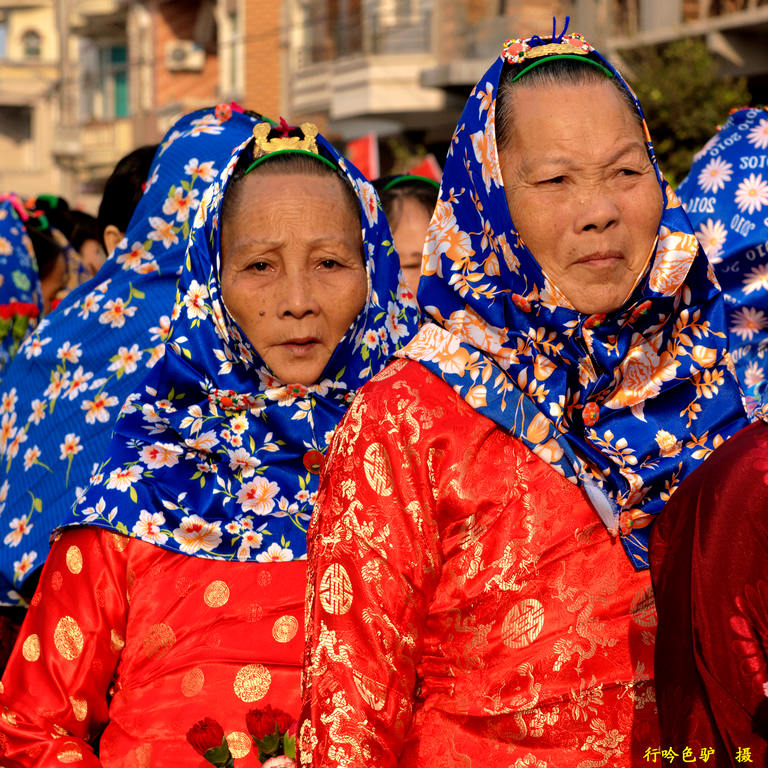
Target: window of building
pixel 31 43
pixel 104 82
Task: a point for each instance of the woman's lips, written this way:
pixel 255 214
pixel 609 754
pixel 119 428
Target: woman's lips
pixel 600 258
pixel 302 346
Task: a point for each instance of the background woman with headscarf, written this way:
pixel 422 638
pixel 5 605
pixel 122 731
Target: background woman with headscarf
pixel 408 202
pixel 179 594
pixel 62 393
pixel 478 581
pixel 726 198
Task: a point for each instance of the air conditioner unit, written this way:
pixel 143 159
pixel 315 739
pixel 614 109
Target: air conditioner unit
pixel 184 56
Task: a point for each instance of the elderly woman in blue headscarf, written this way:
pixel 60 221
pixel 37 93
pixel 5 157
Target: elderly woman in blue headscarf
pixel 478 587
pixel 173 599
pixel 62 392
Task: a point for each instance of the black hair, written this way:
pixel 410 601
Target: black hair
pixel 556 71
pixel 46 249
pixel 84 227
pixel 291 163
pixel 405 187
pixel 56 210
pixel 124 189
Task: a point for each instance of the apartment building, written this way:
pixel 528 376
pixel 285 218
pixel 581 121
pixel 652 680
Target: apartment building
pixel 403 68
pixel 29 81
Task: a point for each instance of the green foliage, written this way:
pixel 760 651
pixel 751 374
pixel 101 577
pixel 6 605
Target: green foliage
pixel 684 99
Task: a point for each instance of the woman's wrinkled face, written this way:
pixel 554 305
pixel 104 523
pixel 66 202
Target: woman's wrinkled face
pixel 409 236
pixel 292 272
pixel 582 191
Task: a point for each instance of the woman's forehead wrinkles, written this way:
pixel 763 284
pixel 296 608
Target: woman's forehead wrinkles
pixel 530 160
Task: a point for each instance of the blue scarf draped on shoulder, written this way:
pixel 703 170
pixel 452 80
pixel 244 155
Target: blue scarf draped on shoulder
pixel 61 394
pixel 624 404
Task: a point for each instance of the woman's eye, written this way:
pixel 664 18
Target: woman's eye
pixel 627 172
pixel 329 263
pixel 259 266
pixel 553 180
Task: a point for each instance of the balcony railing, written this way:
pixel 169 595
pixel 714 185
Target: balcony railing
pixel 370 33
pixel 631 17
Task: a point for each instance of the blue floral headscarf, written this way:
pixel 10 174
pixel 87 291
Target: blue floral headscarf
pixel 726 198
pixel 213 456
pixel 625 405
pixel 63 391
pixel 21 301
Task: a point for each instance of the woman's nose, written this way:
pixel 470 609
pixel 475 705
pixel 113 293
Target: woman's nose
pixel 296 295
pixel 597 210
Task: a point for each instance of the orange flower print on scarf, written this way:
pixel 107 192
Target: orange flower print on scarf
pixel 444 236
pixel 674 255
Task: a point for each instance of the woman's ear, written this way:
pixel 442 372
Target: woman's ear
pixel 112 236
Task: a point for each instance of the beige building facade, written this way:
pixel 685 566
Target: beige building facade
pixel 82 82
pixel 29 82
pixel 403 68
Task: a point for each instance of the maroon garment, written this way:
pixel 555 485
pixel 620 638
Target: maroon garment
pixel 709 565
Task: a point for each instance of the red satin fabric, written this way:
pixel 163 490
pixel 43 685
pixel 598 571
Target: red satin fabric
pixel 128 645
pixel 709 561
pixel 467 606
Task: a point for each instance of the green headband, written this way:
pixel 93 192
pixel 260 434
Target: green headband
pixel 290 152
pixel 409 177
pixel 559 56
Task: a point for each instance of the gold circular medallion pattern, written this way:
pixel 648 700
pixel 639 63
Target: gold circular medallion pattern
pixel 57 580
pixel 31 648
pixel 216 594
pixel 264 579
pixel 74 559
pixel 79 707
pixel 158 640
pixel 239 743
pixel 252 682
pixel 68 638
pixel 377 471
pixel 69 753
pixel 522 625
pixel 192 682
pixel 336 590
pixel 285 628
pixel 119 542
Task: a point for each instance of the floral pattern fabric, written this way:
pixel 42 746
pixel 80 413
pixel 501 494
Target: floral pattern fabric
pixel 726 197
pixel 62 393
pixel 213 456
pixel 20 293
pixel 625 404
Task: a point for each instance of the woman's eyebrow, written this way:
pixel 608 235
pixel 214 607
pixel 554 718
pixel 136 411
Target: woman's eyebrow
pixel 567 161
